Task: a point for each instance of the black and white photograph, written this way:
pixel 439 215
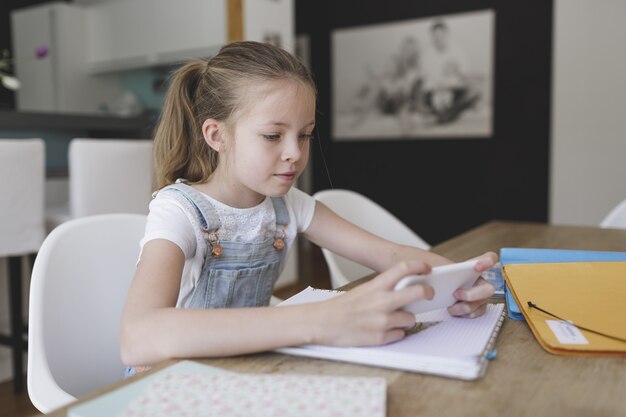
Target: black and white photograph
pixel 421 78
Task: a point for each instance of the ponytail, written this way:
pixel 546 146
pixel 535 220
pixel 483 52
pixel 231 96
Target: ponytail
pixel 179 147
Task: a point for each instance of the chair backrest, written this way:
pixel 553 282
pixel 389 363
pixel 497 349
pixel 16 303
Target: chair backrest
pixel 616 217
pixel 368 215
pixel 79 283
pixel 110 176
pixel 22 177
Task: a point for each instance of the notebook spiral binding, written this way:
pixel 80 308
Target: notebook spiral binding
pixel 492 341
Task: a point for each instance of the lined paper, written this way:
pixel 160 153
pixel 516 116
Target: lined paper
pixel 455 347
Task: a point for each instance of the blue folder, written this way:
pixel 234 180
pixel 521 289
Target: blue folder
pixel 529 256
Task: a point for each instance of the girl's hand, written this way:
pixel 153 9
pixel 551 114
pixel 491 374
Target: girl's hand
pixel 371 313
pixel 472 301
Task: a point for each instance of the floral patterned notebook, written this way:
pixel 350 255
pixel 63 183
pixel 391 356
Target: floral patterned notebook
pixel 192 389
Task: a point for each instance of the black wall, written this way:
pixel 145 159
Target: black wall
pixel 442 187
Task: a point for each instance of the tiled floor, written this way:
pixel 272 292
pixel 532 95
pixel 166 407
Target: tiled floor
pixel 313 272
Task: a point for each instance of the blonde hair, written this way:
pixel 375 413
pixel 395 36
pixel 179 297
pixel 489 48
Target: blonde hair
pixel 213 89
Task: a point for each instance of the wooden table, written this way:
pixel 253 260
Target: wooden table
pixel 523 380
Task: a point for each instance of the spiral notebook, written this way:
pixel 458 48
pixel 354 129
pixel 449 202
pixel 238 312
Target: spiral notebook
pixel 442 345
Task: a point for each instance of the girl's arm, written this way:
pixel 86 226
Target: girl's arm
pixel 153 329
pixel 329 230
pixel 333 232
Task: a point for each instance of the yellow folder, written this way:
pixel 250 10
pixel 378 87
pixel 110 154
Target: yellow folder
pixel 588 294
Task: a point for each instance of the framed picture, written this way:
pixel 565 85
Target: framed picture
pixel 422 78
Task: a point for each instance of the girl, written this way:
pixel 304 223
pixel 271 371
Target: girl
pixel 233 137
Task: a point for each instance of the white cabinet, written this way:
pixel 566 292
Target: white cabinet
pixel 51 62
pixel 126 34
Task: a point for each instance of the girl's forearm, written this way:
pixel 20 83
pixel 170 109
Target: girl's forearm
pixel 334 233
pixel 174 332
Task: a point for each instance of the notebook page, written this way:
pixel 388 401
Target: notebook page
pixel 310 295
pixel 441 340
pixel 452 338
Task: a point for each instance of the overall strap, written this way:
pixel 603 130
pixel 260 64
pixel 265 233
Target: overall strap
pixel 280 208
pixel 196 201
pixel 282 220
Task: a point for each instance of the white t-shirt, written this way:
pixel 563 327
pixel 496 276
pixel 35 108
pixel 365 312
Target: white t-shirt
pixel 167 220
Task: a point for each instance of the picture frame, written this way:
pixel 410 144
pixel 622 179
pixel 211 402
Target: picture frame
pixel 425 78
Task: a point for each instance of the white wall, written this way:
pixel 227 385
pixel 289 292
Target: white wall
pixel 588 167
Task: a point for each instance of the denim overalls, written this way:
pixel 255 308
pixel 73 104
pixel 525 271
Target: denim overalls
pixel 242 274
pixel 234 274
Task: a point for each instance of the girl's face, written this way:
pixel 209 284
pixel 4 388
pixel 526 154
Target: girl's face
pixel 271 136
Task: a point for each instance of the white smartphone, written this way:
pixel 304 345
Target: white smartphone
pixel 444 279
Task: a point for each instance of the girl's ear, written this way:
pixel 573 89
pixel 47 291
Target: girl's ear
pixel 213 132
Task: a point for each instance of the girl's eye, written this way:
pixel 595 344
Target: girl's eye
pixel 272 137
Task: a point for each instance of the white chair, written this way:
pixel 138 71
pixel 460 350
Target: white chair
pixel 79 284
pixel 110 176
pixel 22 174
pixel 368 215
pixel 106 176
pixel 616 218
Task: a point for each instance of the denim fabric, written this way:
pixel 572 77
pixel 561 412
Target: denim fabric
pixel 130 371
pixel 245 273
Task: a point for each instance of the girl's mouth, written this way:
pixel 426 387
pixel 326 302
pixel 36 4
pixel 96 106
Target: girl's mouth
pixel 287 176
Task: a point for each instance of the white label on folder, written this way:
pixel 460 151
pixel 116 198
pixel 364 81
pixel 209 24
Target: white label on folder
pixel 567 333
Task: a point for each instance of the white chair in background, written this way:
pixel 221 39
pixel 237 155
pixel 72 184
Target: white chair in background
pixel 616 218
pixel 368 215
pixel 22 174
pixel 110 176
pixel 106 176
pixel 79 284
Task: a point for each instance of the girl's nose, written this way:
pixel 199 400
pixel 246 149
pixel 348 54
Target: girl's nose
pixel 292 150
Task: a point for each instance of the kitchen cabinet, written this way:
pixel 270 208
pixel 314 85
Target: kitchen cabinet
pixel 70 57
pixel 127 34
pixel 50 51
